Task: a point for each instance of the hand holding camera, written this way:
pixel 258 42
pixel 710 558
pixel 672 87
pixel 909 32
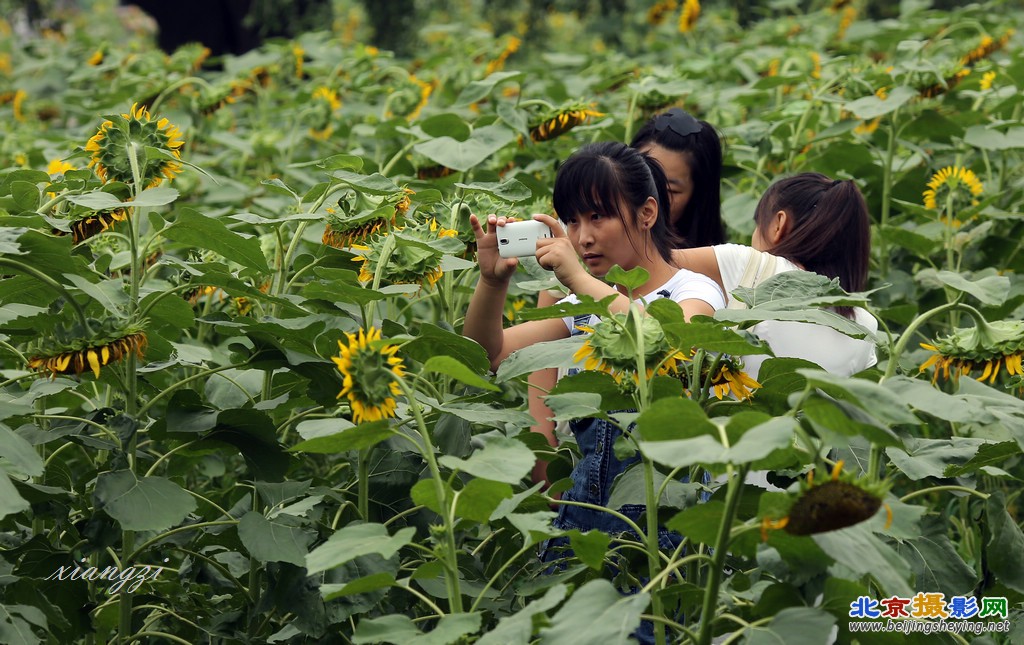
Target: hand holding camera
pixel 519 239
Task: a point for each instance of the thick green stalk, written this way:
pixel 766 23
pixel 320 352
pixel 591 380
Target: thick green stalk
pixel 890 152
pixel 936 489
pixel 450 561
pixel 653 550
pixel 385 256
pixel 131 379
pixel 363 470
pixel 732 498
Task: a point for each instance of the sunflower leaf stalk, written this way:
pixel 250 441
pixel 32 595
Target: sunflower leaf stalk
pixel 651 497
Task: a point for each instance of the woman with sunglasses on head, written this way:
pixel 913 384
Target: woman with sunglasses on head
pixel 690 154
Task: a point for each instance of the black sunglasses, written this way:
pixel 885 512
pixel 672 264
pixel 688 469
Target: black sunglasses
pixel 678 121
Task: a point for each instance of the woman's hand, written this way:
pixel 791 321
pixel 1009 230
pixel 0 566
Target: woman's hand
pixel 494 269
pixel 558 254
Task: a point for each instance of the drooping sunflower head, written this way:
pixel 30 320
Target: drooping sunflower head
pixel 722 374
pixel 347 225
pixel 730 378
pixel 841 501
pixel 984 351
pixel 67 354
pixel 554 124
pixel 610 348
pixel 94 223
pixel 126 135
pixel 952 181
pixel 369 367
pixel 413 256
pixel 985 48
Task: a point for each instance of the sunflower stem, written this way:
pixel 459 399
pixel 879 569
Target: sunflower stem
pixel 947 235
pixel 363 469
pixel 936 489
pixel 177 85
pixel 394 159
pixel 734 488
pixel 385 256
pixel 890 152
pixel 651 498
pixel 629 114
pixel 451 554
pixel 56 200
pixel 901 344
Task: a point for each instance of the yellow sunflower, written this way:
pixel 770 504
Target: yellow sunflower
pixel 426 89
pixel 610 348
pixel 849 15
pixel 499 63
pixel 19 101
pixel 300 57
pixel 731 378
pixel 986 81
pixel 689 15
pixel 94 354
pixel 369 371
pixel 58 167
pixel 558 123
pixel 660 10
pixel 952 178
pixel 93 224
pixel 112 146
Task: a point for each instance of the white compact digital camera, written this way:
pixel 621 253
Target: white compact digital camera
pixel 518 239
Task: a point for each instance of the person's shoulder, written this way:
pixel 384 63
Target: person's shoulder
pixel 732 251
pixel 687 277
pixel 863 318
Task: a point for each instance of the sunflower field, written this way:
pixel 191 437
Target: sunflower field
pixel 236 405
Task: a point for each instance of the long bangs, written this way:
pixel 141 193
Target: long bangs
pixel 583 186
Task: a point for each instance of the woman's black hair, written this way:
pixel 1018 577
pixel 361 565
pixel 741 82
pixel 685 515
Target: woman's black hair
pixel 829 226
pixel 600 177
pixel 678 131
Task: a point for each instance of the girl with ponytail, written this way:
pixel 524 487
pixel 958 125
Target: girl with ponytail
pixel 806 222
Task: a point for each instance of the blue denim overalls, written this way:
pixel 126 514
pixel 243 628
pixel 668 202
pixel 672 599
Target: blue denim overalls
pixel 592 480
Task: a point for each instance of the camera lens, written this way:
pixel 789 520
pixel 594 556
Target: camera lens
pixel 503 241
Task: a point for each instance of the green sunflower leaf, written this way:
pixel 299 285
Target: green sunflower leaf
pixel 356 540
pixel 454 368
pixel 142 504
pixel 195 229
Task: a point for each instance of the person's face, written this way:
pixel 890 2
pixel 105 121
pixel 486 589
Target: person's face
pixel 680 178
pixel 601 241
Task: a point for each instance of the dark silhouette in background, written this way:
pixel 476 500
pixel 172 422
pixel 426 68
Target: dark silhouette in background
pixel 232 26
